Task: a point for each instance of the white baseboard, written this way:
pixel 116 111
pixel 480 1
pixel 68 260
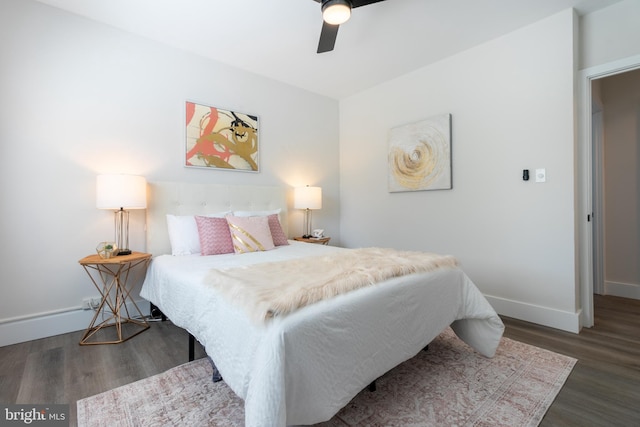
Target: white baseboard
pixel 48 325
pixel 77 320
pixel 564 320
pixel 625 290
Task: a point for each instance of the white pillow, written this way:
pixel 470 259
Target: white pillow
pixel 257 213
pixel 183 233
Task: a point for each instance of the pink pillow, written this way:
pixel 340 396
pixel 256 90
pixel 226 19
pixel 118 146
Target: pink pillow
pixel 215 238
pixel 279 238
pixel 250 234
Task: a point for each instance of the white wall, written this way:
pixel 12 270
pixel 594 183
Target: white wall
pixel 610 34
pixel 512 103
pixel 621 107
pixel 77 99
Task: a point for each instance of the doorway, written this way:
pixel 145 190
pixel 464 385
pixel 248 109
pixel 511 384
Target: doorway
pixel 591 182
pixel 616 161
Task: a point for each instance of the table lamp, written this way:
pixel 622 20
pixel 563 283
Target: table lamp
pixel 121 192
pixel 307 198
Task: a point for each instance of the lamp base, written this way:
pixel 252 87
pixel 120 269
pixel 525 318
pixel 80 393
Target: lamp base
pixel 124 252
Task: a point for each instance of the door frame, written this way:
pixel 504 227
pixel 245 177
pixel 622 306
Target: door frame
pixel 586 177
pixel 597 217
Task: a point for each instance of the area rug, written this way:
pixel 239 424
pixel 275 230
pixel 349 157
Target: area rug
pixel 448 385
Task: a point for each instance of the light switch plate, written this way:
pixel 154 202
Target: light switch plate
pixel 541 175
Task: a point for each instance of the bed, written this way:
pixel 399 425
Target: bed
pixel 301 368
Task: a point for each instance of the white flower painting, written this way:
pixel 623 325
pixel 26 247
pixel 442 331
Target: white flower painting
pixel 420 155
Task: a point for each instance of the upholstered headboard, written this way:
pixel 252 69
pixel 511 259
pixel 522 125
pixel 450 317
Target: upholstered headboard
pixel 182 198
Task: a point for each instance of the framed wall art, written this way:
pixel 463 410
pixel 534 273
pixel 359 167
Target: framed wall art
pixel 221 139
pixel 420 155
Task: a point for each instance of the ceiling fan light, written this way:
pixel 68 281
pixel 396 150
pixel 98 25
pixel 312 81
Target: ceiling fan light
pixel 336 12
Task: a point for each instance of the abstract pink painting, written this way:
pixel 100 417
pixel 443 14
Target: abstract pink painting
pixel 220 139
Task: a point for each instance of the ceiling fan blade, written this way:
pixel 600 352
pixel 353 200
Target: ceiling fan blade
pixel 358 3
pixel 327 37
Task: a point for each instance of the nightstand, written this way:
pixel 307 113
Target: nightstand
pixel 109 276
pixel 318 240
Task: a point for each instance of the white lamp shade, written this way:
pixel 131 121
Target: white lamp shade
pixel 307 198
pixel 121 191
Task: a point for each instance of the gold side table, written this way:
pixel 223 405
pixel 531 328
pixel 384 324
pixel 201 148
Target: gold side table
pixel 110 275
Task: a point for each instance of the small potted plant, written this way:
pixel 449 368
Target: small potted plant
pixel 106 249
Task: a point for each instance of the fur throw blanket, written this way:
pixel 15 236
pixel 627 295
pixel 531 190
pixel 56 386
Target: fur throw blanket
pixel 278 288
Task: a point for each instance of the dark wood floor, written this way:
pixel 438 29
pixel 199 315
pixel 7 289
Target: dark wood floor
pixel 604 386
pixel 602 390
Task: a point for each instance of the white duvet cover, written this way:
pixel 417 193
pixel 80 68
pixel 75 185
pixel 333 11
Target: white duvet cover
pixel 304 367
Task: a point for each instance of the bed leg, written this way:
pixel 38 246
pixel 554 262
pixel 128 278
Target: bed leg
pixel 192 347
pixel 216 377
pixel 154 311
pixel 372 386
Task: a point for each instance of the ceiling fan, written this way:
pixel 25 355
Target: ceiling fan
pixel 334 13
